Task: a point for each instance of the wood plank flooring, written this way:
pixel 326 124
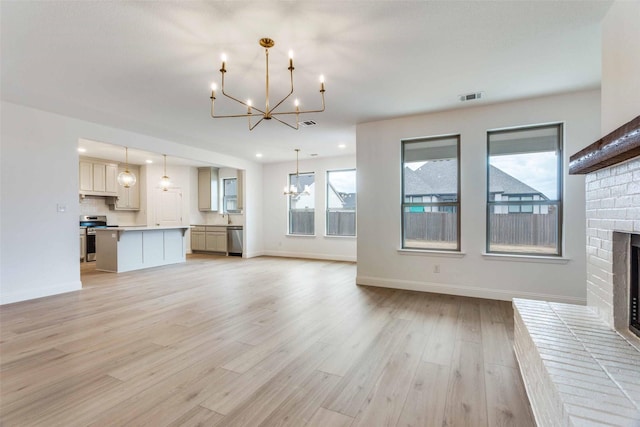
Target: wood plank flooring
pixel 225 341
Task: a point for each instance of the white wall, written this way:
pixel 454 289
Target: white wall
pixel 620 65
pixel 320 246
pixel 39 248
pixel 474 274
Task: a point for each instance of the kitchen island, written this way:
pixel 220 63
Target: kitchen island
pixel 120 249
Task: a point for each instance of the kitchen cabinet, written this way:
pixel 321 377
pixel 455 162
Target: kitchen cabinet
pixel 240 190
pixel 209 239
pixel 208 189
pixel 83 244
pixel 98 178
pixel 128 199
pixel 198 239
pixel 216 239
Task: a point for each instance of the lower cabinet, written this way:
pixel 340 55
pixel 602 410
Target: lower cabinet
pixel 197 241
pixel 209 239
pixel 83 245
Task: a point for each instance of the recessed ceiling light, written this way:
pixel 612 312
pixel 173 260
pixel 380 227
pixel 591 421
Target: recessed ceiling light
pixel 82 150
pixel 149 161
pixel 342 146
pixel 258 154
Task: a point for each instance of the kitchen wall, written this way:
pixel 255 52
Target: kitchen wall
pixel 320 246
pixel 472 273
pixel 39 192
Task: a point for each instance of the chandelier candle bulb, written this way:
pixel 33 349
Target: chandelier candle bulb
pixel 224 63
pixel 321 83
pixel 290 60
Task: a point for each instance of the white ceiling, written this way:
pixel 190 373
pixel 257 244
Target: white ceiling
pixel 147 66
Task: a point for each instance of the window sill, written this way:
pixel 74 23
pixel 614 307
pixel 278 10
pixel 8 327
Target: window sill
pixel 428 252
pixel 300 235
pixel 526 258
pixel 337 236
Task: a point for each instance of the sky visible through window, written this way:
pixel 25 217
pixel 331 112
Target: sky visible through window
pixel 343 181
pixel 537 170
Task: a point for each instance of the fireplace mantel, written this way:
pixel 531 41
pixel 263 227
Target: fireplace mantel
pixel 620 145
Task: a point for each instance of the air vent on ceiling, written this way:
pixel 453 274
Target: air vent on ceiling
pixel 308 123
pixel 471 96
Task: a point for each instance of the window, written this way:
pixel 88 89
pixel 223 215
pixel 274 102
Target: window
pixel 341 203
pixel 302 206
pixel 524 192
pixel 431 193
pixel 230 195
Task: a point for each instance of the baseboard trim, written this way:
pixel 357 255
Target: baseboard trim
pixel 24 295
pixel 253 254
pixel 307 255
pixel 467 291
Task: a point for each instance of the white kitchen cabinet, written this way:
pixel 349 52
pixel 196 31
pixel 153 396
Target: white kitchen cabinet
pixel 83 244
pixel 128 199
pixel 98 178
pixel 86 176
pixel 111 178
pixel 208 189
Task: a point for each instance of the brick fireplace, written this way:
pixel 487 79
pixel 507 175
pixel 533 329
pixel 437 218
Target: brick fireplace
pixel 581 365
pixel 613 219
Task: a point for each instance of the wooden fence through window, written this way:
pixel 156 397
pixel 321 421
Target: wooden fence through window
pixel 508 229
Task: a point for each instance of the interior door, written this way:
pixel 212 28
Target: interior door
pixel 168 207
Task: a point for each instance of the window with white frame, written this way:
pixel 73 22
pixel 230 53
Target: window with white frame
pixel 341 203
pixel 302 205
pixel 524 191
pixel 431 193
pixel 230 195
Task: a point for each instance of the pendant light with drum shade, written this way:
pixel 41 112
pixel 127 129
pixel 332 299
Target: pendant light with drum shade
pixel 126 179
pixel 165 182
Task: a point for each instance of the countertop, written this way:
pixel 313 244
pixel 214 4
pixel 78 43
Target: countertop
pixel 142 228
pixel 217 225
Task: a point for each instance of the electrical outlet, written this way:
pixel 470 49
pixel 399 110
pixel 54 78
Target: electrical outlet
pixel 61 208
pixel 436 268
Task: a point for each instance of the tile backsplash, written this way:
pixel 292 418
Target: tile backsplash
pixel 90 205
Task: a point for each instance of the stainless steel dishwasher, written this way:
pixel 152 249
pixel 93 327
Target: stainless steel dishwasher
pixel 234 240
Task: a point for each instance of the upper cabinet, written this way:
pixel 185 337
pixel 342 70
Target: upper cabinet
pixel 98 178
pixel 240 190
pixel 208 189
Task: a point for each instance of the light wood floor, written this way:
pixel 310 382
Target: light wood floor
pixel 258 342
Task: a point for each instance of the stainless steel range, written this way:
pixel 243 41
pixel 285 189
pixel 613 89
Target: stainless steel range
pixel 92 222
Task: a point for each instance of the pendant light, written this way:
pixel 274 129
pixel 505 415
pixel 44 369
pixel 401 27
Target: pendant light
pixel 165 182
pixel 126 178
pixel 292 190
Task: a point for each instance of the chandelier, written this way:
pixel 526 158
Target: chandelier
pixel 292 190
pixel 126 178
pixel 269 112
